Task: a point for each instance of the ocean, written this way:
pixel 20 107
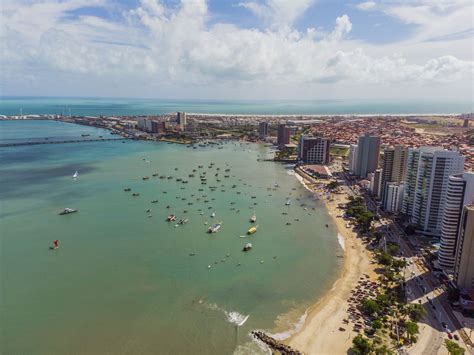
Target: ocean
pixel 124 106
pixel 125 281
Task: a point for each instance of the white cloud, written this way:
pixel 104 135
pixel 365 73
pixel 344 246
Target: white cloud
pixel 176 50
pixel 278 12
pixel 365 6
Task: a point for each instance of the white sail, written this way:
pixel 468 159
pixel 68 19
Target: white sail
pixel 76 174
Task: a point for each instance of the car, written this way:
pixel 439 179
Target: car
pixel 445 326
pixel 455 337
pixel 450 336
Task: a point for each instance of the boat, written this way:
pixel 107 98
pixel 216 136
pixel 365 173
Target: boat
pixel 214 228
pixel 76 174
pixel 171 218
pixel 135 194
pixel 213 214
pixel 154 201
pixel 68 211
pixel 127 189
pixel 253 219
pixel 288 202
pixel 247 247
pixel 183 221
pixel 252 230
pixel 145 178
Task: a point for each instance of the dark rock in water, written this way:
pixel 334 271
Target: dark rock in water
pixel 275 345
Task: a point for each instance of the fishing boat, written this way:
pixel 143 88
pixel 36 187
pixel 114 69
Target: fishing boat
pixel 171 218
pixel 183 221
pixel 288 202
pixel 145 178
pixel 213 214
pixel 247 247
pixel 252 230
pixel 154 201
pixel 135 194
pixel 127 189
pixel 76 174
pixel 253 219
pixel 68 211
pixel 214 228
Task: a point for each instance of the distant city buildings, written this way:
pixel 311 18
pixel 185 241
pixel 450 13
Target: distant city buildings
pixel 284 134
pixel 464 264
pixel 314 150
pixel 181 120
pixel 375 183
pixel 352 158
pixel 394 167
pixel 460 192
pixel 393 197
pixel 263 130
pixel 428 171
pixel 368 152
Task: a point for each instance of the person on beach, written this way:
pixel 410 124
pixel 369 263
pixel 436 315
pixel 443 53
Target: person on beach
pixel 55 244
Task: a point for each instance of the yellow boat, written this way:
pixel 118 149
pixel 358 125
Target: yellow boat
pixel 252 230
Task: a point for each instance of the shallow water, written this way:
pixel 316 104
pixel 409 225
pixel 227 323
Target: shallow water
pixel 122 282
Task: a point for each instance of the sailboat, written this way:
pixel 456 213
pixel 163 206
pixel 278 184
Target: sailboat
pixel 76 174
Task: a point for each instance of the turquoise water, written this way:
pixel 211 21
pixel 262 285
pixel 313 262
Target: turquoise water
pixel 101 106
pixel 125 283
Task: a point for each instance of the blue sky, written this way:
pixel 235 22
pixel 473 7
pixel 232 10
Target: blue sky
pixel 262 49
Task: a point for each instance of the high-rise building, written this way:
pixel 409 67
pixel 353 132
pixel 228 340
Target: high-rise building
pixel 464 265
pixel 141 123
pixel 181 120
pixel 283 135
pixel 394 167
pixel 263 129
pixel 352 158
pixel 368 152
pixel 460 192
pixel 375 182
pixel 314 150
pixel 428 171
pixel 393 197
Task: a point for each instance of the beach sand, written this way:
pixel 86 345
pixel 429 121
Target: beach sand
pixel 320 334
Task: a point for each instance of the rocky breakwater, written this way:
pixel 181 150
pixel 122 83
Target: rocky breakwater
pixel 275 345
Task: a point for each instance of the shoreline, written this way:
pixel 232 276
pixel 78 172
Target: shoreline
pixel 320 332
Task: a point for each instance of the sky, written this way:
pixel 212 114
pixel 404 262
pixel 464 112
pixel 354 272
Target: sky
pixel 238 49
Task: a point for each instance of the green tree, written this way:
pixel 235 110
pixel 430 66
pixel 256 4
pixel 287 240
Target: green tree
pixel 416 312
pixel 377 324
pixel 412 330
pixel 370 307
pixel 383 350
pixel 453 347
pixel 361 345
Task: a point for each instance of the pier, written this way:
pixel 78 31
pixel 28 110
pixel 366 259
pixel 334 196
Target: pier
pixel 60 142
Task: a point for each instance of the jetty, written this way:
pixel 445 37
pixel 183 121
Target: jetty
pixel 275 346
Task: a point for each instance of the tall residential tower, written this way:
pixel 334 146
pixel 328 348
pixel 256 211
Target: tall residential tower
pixel 424 197
pixel 368 152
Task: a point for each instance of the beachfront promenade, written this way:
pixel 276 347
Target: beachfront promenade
pixel 60 142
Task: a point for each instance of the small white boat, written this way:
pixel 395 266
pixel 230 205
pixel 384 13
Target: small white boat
pixel 247 247
pixel 213 214
pixel 288 202
pixel 214 228
pixel 76 174
pixel 253 219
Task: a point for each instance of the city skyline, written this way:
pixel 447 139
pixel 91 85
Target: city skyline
pixel 238 49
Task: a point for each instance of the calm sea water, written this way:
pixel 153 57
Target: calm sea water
pixel 125 283
pixel 94 106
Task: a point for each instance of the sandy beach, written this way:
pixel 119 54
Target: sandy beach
pixel 320 334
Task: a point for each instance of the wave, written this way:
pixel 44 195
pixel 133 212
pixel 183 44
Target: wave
pixel 295 329
pixel 231 316
pixel 341 241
